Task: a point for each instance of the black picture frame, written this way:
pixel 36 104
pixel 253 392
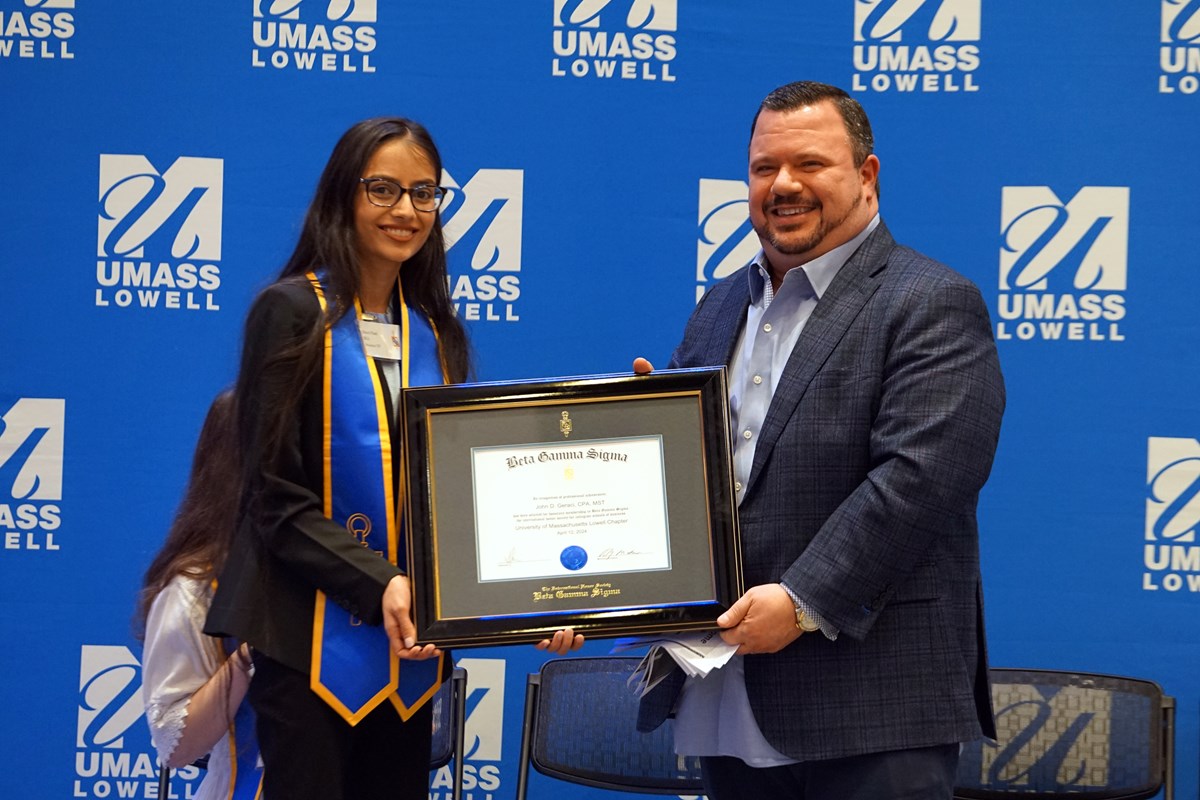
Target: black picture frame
pixel 686 411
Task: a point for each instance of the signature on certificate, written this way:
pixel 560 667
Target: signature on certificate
pixel 612 554
pixel 511 558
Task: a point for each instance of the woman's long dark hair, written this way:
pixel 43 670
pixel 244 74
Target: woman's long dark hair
pixel 328 242
pixel 198 541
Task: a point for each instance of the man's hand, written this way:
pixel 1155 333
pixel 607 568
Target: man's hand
pixel 397 621
pixel 763 620
pixel 561 643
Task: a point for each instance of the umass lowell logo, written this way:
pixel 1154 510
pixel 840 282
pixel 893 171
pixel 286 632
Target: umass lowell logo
pixel 110 683
pixel 1056 738
pixel 31 472
pixel 320 35
pixel 159 233
pixel 916 45
pixel 113 754
pixel 725 240
pixel 41 30
pixel 1063 265
pixel 625 39
pixel 482 219
pixel 1171 553
pixel 1179 52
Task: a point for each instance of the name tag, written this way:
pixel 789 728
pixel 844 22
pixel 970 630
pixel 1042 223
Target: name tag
pixel 380 340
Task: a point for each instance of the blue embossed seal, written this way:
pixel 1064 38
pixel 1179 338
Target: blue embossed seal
pixel 574 557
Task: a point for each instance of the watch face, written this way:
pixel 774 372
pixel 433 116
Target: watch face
pixel 805 623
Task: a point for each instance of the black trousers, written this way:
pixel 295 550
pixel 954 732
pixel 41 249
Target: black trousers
pixel 310 753
pixel 926 773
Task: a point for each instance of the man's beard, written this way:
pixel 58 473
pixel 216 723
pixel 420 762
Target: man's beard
pixel 799 247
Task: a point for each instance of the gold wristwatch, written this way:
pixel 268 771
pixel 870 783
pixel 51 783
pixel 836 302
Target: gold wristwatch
pixel 804 622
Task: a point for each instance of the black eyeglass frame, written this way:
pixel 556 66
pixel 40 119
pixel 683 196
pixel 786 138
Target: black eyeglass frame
pixel 439 193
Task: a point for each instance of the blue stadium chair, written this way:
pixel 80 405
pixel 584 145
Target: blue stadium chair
pixel 449 714
pixel 580 726
pixel 1062 736
pixel 1073 736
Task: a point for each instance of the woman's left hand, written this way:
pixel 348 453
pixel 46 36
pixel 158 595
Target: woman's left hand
pixel 397 600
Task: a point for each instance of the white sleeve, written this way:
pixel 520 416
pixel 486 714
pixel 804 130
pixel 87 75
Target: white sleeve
pixel 177 659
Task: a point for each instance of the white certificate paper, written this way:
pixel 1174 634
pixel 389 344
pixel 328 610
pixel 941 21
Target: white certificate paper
pixel 553 510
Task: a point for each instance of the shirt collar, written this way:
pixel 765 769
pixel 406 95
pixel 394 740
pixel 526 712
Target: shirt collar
pixel 820 271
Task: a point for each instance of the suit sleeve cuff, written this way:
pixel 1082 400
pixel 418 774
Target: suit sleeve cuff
pixel 829 630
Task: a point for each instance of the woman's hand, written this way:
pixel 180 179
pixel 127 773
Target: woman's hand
pixel 397 621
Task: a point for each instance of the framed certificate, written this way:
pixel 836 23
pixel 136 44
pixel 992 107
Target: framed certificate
pixel 603 504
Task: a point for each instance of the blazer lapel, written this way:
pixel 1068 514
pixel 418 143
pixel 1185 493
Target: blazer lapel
pixel 856 281
pixel 731 317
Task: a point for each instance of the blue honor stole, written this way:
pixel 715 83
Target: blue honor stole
pixel 353 666
pixel 245 775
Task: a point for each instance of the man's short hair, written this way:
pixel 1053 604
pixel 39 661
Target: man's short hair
pixel 808 93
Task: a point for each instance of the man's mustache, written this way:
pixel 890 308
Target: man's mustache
pixel 791 200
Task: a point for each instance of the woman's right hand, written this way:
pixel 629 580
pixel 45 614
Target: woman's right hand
pixel 397 621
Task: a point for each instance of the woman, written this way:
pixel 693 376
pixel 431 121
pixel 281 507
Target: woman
pixel 316 580
pixel 192 684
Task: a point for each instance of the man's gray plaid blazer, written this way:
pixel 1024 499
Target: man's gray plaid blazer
pixel 862 501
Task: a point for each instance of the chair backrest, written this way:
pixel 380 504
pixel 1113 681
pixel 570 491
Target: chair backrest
pixel 449 709
pixel 1072 735
pixel 449 720
pixel 580 726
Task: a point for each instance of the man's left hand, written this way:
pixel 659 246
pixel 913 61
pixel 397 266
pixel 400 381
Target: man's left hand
pixel 763 620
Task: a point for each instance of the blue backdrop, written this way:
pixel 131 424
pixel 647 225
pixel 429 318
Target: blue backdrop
pixel 158 157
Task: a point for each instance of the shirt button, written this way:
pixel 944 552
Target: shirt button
pixel 746 434
pixel 757 379
pixel 737 486
pixel 767 327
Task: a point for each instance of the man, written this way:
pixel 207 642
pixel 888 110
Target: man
pixel 866 397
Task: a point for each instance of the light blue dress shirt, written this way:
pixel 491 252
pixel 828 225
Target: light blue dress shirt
pixel 713 717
